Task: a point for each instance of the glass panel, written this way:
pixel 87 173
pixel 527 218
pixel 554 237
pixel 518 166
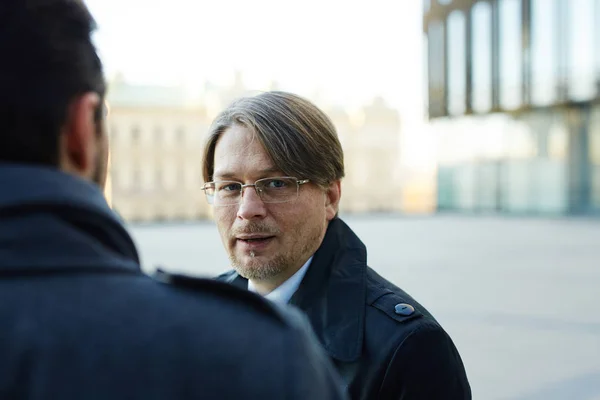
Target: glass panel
pixel 516 185
pixel 436 53
pixel 520 140
pixel 456 63
pixel 595 159
pixel 549 182
pixel 436 64
pixel 487 185
pixel 510 53
pixel 558 141
pixel 446 188
pixel 597 39
pixel 482 56
pixel 425 86
pixel 543 52
pixel 581 49
pixel 465 181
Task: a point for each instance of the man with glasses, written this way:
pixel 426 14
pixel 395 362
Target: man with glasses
pixel 273 166
pixel 78 318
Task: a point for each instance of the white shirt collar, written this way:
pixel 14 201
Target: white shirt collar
pixel 284 292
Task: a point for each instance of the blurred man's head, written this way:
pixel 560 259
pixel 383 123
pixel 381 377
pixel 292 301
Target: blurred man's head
pixel 51 88
pixel 270 231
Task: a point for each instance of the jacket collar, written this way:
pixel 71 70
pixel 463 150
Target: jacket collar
pixel 66 218
pixel 333 292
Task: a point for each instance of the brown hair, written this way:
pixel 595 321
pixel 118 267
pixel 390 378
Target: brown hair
pixel 300 139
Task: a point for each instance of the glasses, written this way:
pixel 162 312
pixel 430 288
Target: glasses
pixel 270 190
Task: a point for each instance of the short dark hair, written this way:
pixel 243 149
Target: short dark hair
pixel 48 59
pixel 299 137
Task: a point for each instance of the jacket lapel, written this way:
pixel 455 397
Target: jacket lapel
pixel 333 292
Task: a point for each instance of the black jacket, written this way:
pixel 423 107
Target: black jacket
pixel 79 320
pixel 383 343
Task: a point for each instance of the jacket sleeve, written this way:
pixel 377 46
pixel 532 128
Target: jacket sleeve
pixel 311 373
pixel 426 365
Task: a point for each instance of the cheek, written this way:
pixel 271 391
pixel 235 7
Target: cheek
pixel 224 218
pixel 296 221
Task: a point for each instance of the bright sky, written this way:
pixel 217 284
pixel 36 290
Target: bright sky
pixel 350 51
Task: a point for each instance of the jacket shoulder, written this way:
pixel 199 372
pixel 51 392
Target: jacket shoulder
pixel 228 276
pixel 392 301
pixel 221 289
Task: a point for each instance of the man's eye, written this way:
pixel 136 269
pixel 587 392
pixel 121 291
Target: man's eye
pixel 230 187
pixel 276 184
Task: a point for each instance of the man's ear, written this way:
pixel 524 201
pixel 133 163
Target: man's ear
pixel 79 134
pixel 332 199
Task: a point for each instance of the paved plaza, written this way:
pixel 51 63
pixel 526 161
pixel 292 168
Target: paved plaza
pixel 519 296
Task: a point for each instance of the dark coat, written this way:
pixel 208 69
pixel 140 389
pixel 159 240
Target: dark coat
pixel 384 343
pixel 79 320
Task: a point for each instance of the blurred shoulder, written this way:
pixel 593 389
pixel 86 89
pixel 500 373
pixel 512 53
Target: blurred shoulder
pixel 228 276
pixel 230 299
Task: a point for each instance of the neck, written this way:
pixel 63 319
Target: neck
pixel 266 286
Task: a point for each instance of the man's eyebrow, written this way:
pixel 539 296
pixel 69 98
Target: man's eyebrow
pixel 223 175
pixel 269 171
pixel 262 173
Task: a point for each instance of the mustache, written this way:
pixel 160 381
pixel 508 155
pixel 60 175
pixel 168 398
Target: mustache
pixel 254 227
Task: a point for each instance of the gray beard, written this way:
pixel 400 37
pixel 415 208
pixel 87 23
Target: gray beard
pixel 257 270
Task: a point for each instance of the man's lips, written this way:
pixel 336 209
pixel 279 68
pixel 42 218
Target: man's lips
pixel 254 237
pixel 254 242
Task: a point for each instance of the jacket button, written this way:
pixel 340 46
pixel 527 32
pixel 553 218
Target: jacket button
pixel 404 309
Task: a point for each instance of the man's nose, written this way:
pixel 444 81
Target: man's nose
pixel 251 206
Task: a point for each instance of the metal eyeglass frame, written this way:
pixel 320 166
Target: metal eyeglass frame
pixel 299 182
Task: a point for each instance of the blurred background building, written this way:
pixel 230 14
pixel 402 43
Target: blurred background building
pixel 156 146
pixel 513 99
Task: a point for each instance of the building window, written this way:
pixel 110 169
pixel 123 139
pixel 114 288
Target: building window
pixel 594 157
pixel 135 134
pixel 158 135
pixel 436 67
pixel 136 183
pixel 158 178
pixel 481 34
pixel 543 52
pixel 180 135
pixel 581 49
pixel 456 63
pixel 597 41
pixel 511 78
pixel 181 176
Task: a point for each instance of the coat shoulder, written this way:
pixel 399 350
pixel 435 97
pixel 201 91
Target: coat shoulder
pixel 394 303
pixel 228 276
pixel 222 290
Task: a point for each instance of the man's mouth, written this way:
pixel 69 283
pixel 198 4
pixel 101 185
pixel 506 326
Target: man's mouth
pixel 254 239
pixel 254 243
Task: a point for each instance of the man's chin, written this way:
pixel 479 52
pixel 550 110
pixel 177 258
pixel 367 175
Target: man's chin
pixel 255 268
pixel 248 268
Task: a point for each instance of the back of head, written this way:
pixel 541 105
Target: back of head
pixel 300 139
pixel 47 60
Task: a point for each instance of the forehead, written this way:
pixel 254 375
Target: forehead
pixel 239 153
